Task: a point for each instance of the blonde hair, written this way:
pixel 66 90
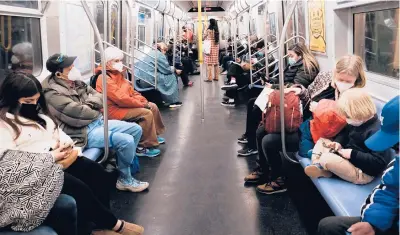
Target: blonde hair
pixel 309 61
pixel 352 65
pixel 356 104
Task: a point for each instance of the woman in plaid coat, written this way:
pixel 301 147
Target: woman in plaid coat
pixel 212 59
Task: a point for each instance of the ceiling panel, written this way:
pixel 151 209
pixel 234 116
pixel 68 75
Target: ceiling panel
pixel 186 5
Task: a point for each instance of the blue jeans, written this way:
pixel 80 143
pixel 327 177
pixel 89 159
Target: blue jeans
pixel 123 137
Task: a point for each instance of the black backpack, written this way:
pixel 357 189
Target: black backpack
pixel 93 79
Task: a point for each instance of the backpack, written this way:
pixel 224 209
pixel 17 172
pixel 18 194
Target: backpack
pixel 293 113
pixel 93 79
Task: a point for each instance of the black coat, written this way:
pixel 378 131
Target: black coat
pixel 353 137
pixel 296 74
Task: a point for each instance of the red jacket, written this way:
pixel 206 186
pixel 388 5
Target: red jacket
pixel 121 97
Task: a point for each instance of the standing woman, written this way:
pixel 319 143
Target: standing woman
pixel 212 58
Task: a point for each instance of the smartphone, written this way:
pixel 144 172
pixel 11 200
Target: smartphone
pixel 69 145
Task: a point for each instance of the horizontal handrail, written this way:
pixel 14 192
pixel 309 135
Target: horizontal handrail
pixel 145 53
pixel 111 45
pixel 152 47
pixel 145 71
pixel 144 62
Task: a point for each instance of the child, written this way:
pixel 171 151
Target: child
pixel 348 157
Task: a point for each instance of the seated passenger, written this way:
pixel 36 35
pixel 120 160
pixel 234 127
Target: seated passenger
pixel 302 70
pixel 380 212
pixel 349 72
pixel 124 103
pixel 180 70
pixel 24 129
pixel 22 58
pixel 238 75
pixel 77 109
pixel 167 84
pixel 351 159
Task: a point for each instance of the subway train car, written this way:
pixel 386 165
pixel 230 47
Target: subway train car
pixel 253 95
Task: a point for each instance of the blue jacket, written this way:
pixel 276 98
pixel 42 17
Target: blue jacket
pixel 381 209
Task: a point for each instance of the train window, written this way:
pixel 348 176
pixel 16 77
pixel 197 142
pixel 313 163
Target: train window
pixel 100 25
pixel 20 44
pixel 376 40
pixel 142 36
pixel 25 4
pixel 114 24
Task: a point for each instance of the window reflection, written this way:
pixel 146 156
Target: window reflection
pixel 24 3
pixel 376 40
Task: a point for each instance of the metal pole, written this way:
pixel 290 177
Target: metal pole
pixel 281 80
pixel 249 48
pixel 234 37
pixel 174 43
pixel 200 52
pixel 132 27
pixel 266 17
pixel 103 71
pixel 156 54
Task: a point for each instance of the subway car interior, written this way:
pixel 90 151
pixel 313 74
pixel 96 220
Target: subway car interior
pixel 241 86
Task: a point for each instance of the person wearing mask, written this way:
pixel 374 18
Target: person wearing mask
pixel 211 59
pixel 27 125
pixel 380 212
pixel 77 109
pixel 124 103
pixel 187 35
pixel 349 69
pixel 167 84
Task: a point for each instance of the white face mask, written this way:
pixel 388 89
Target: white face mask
pixel 74 74
pixel 343 86
pixel 354 122
pixel 118 66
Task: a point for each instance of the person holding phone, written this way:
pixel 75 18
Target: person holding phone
pixel 27 125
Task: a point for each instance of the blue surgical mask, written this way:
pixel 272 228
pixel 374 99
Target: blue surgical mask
pixel 292 61
pixel 260 53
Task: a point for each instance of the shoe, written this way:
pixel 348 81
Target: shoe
pixel 247 152
pixel 254 177
pixel 132 185
pixel 243 139
pixel 131 229
pixel 207 80
pixel 175 105
pixel 229 87
pixel 190 83
pixel 160 140
pixel 228 103
pixel 225 98
pixel 146 152
pixel 317 171
pixel 195 73
pixel 271 188
pixel 216 80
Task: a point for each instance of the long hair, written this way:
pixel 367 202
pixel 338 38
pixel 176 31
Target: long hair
pixel 214 26
pixel 352 65
pixel 15 86
pixel 309 61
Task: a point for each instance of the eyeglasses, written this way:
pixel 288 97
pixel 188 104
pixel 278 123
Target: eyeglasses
pixel 60 58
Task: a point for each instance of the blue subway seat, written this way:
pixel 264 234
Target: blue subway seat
pixel 344 198
pixel 93 153
pixel 41 230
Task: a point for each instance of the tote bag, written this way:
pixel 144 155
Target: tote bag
pixel 207 47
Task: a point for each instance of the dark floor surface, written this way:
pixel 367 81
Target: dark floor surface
pixel 196 185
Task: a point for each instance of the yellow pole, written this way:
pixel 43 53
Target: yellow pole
pixel 199 32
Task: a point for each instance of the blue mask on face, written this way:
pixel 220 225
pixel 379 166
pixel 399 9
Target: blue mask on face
pixel 291 61
pixel 260 53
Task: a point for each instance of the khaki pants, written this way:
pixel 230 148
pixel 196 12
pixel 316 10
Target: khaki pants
pixel 339 166
pixel 210 72
pixel 152 124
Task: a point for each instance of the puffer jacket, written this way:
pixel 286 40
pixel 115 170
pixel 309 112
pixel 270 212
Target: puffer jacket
pixel 74 108
pixel 121 97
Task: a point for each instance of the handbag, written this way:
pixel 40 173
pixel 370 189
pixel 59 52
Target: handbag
pixel 207 47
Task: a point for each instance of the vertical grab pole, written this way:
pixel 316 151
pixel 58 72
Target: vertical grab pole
pixel 156 54
pixel 103 71
pixel 281 80
pixel 200 52
pixel 180 40
pixel 249 48
pixel 234 37
pixel 131 33
pixel 174 43
pixel 266 17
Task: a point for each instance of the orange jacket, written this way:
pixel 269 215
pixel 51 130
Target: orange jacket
pixel 121 97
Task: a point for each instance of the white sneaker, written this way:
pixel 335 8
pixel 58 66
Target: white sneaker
pixel 134 185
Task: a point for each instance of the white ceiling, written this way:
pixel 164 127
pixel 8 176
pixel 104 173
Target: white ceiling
pixel 186 5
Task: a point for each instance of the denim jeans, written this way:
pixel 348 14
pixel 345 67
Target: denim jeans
pixel 124 138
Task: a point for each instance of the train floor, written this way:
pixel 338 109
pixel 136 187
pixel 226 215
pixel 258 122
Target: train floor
pixel 196 185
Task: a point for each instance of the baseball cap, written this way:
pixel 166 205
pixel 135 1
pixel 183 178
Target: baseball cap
pixel 388 135
pixel 59 61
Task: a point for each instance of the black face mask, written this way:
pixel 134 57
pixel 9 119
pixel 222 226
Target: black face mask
pixel 29 111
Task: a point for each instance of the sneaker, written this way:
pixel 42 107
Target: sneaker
pixel 229 87
pixel 146 152
pixel 131 229
pixel 132 185
pixel 317 171
pixel 160 140
pixel 243 139
pixel 175 105
pixel 247 152
pixel 254 177
pixel 195 73
pixel 271 188
pixel 229 103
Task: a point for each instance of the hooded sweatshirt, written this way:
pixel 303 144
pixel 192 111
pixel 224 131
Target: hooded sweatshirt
pixel 121 97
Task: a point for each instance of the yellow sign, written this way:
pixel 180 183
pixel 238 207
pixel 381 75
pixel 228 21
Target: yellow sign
pixel 316 18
